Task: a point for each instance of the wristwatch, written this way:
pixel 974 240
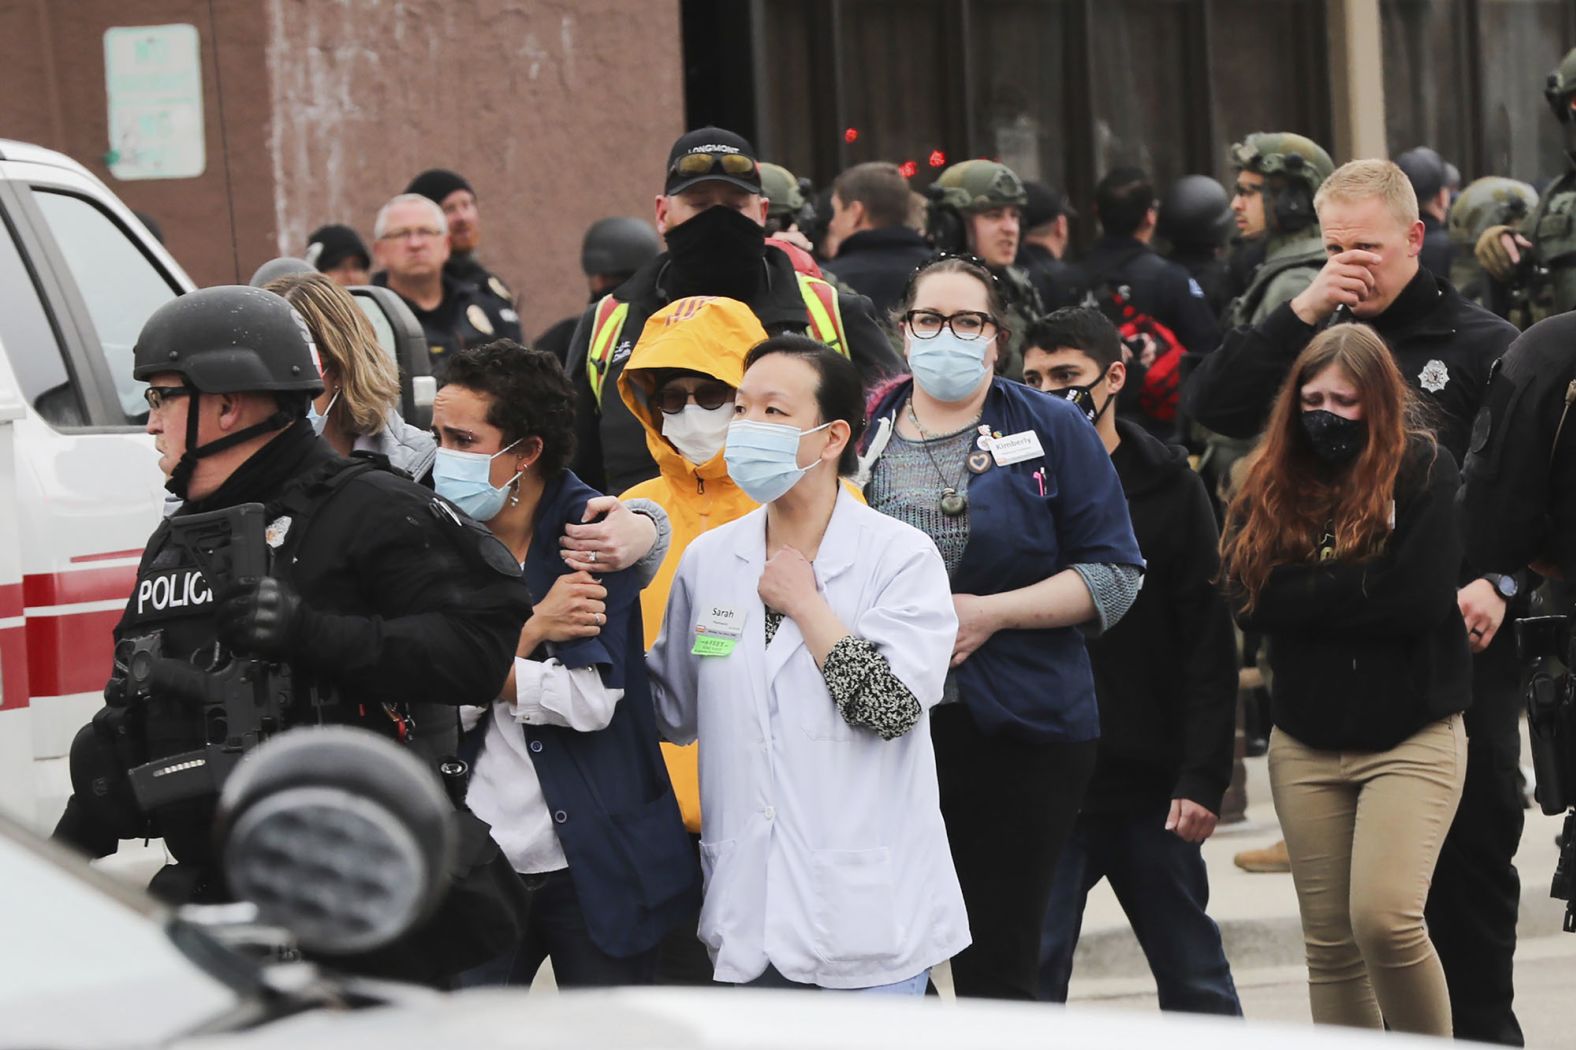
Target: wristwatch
pixel 1505 586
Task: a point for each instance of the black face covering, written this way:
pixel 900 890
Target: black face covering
pixel 718 252
pixel 1083 398
pixel 1335 439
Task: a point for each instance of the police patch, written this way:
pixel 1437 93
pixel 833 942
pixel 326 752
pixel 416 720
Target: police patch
pixel 500 289
pixel 277 530
pixel 1434 376
pixel 479 319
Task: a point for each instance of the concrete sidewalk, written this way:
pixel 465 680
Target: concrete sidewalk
pixel 1257 913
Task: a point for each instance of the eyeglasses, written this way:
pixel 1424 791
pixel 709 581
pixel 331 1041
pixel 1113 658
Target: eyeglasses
pixel 965 324
pixel 418 233
pixel 157 396
pixel 692 164
pixel 1246 191
pixel 672 398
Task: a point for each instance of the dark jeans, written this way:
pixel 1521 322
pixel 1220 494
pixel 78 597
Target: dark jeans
pixel 1474 900
pixel 556 929
pixel 1163 887
pixel 1009 805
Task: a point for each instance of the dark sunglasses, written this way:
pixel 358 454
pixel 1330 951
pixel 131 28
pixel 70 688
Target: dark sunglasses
pixel 693 164
pixel 671 399
pixel 157 396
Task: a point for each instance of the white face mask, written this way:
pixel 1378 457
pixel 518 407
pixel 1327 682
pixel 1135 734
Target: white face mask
pixel 698 433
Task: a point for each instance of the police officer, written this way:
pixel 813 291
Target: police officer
pixel 1490 201
pixel 411 244
pixel 712 213
pixel 1277 175
pixel 1047 219
pixel 387 606
pixel 1548 278
pixel 977 206
pixel 1195 223
pixel 612 250
pixel 458 200
pixel 1446 348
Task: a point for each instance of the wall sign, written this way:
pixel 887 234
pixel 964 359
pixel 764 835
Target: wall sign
pixel 153 77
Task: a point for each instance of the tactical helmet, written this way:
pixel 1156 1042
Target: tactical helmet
pixel 978 185
pixel 1561 89
pixel 284 266
pixel 781 188
pixel 1286 154
pixel 229 339
pixel 1195 212
pixel 1490 201
pixel 618 245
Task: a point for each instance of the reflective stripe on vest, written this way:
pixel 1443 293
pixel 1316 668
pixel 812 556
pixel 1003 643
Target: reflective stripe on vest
pixel 610 315
pixel 820 302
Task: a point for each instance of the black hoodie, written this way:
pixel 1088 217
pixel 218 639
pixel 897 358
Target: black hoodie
pixel 1166 674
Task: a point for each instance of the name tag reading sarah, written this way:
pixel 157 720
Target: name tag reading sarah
pixel 717 631
pixel 1015 448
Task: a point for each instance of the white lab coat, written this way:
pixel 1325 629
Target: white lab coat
pixel 822 845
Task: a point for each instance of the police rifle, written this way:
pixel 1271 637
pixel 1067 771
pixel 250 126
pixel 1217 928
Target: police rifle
pixel 242 700
pixel 1545 644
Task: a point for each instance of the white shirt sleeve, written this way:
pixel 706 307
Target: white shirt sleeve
pixel 674 685
pixel 546 693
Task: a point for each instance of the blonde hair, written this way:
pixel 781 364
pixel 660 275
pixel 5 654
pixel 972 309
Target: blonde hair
pixel 368 379
pixel 1361 180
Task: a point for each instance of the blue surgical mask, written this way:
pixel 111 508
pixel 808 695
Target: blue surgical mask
pixel 465 480
pixel 763 458
pixel 318 419
pixel 946 367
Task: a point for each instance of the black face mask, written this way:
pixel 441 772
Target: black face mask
pixel 1335 439
pixel 718 252
pixel 1082 398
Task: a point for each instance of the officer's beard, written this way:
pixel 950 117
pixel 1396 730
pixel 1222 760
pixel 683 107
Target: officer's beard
pixel 718 252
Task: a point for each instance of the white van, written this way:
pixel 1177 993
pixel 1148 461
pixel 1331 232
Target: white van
pixel 80 488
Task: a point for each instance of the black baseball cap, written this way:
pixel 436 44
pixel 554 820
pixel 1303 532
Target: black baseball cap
pixel 715 155
pixel 1045 204
pixel 330 245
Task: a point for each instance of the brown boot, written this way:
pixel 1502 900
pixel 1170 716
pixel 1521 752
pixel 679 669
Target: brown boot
pixel 1271 858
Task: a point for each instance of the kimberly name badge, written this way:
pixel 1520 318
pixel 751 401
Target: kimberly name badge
pixel 1015 448
pixel 717 631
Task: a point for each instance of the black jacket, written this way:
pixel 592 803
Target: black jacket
pixel 1166 675
pixel 465 317
pixel 1443 344
pixel 610 443
pixel 877 263
pixel 1438 251
pixel 1518 502
pixel 1366 653
pixel 1161 289
pixel 1058 281
pixel 1212 271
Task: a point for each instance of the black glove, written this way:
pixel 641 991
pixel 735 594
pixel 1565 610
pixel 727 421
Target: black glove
pixel 259 617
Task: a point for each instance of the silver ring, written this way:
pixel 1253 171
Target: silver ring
pixel 591 556
pixel 1477 632
pixel 600 619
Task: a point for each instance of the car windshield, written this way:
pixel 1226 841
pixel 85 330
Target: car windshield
pixel 90 962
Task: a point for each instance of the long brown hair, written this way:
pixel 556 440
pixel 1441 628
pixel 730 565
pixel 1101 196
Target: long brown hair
pixel 1289 495
pixel 347 343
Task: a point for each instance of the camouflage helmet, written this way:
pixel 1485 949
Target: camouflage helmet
pixel 1561 89
pixel 1490 201
pixel 979 185
pixel 1286 154
pixel 781 189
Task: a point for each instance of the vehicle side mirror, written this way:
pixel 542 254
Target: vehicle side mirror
pixel 401 337
pixel 338 835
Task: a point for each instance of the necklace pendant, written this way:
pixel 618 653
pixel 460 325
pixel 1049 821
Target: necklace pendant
pixel 953 502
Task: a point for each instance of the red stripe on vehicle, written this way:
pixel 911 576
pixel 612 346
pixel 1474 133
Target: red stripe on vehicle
pixel 82 585
pixel 78 559
pixel 69 654
pixel 13 668
pixel 10 600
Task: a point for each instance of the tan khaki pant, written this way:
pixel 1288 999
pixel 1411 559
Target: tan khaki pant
pixel 1364 831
